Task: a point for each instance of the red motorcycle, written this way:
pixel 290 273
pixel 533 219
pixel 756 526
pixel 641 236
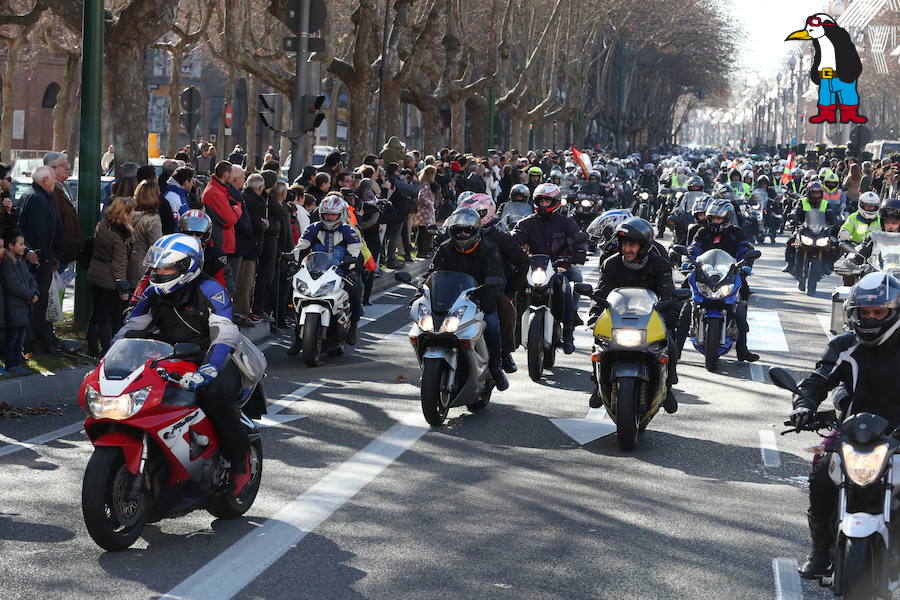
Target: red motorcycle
pixel 156 454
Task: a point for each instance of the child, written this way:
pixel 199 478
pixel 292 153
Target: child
pixel 20 292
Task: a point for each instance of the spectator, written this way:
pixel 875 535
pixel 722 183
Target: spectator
pixel 237 155
pixel 250 249
pixel 221 208
pixel 205 161
pixel 865 184
pixel 369 228
pixel 333 165
pixel 403 199
pixel 106 162
pixel 107 274
pixel 68 243
pixel 263 299
pixel 238 178
pixel 147 228
pixel 9 216
pixel 320 187
pixel 425 210
pixel 306 205
pixel 307 177
pixel 177 189
pixel 20 293
pixel 853 183
pixel 394 151
pixel 41 226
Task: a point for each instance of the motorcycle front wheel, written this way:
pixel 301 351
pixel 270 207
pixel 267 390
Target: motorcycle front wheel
pixel 858 570
pixel 312 342
pixel 435 401
pixel 625 393
pixel 813 273
pixel 536 347
pixel 113 518
pixel 711 344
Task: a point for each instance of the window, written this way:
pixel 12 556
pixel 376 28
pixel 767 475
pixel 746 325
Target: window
pixel 50 94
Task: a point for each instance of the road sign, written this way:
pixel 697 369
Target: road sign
pixel 228 115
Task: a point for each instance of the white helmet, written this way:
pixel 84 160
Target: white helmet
pixel 178 250
pixel 333 204
pixel 869 203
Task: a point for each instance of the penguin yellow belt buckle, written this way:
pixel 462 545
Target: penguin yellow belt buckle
pixel 827 73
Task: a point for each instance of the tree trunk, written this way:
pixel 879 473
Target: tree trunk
pixel 431 129
pixel 391 111
pixel 252 119
pixel 518 133
pixel 332 112
pixel 458 124
pixel 359 121
pixel 125 79
pixel 62 112
pixel 72 144
pixel 476 107
pixel 172 136
pixel 6 117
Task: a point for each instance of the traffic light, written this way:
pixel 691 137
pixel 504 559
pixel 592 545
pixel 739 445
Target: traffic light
pixel 310 115
pixel 270 110
pixel 190 103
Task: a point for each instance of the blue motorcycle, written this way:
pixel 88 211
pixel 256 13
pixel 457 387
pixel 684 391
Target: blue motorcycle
pixel 715 279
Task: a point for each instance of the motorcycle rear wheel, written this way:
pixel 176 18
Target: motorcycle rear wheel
pixel 226 506
pixel 536 348
pixel 711 344
pixel 626 391
pixel 113 520
pixel 435 402
pixel 312 342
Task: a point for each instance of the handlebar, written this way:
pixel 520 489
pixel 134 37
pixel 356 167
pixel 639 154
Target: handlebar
pixel 169 378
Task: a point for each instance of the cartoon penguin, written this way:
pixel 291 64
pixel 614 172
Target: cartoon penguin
pixel 835 69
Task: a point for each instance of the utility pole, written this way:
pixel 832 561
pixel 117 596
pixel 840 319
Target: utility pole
pixel 89 148
pixel 301 76
pixel 620 93
pixel 379 119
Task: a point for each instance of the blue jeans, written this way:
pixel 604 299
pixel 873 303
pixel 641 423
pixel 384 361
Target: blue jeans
pixel 834 91
pixel 492 337
pixel 12 346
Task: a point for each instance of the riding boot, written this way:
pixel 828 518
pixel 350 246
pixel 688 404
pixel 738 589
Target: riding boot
pixel 93 339
pixel 297 346
pixel 351 335
pixel 818 562
pixel 743 354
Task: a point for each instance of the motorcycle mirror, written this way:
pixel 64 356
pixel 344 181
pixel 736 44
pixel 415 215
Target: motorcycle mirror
pixel 403 277
pixel 186 350
pixel 493 282
pixel 753 255
pixel 432 229
pixel 847 247
pixel 584 289
pixel 781 378
pixel 679 249
pixel 69 346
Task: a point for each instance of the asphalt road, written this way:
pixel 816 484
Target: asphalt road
pixel 360 499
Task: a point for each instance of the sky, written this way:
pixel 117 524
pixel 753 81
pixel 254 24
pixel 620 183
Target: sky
pixel 766 23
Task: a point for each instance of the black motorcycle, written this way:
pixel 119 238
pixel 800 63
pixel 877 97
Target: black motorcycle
pixel 814 245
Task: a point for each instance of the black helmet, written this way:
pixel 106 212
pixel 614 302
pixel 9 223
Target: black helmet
pixel 890 209
pixel 196 223
pixel 719 208
pixel 595 174
pixel 464 229
pixel 639 231
pixel 696 180
pixel 815 188
pixel 875 290
pixel 520 189
pixel 648 168
pixel 725 192
pixel 700 203
pixel 763 179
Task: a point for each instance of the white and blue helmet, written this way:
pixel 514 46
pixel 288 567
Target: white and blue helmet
pixel 175 250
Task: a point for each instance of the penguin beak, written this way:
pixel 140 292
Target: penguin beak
pixel 799 35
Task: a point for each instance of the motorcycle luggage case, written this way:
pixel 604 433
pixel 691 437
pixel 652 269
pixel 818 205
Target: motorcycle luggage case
pixel 250 361
pixel 838 296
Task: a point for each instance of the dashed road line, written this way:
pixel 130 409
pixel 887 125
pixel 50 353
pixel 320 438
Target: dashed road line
pixel 766 333
pixel 768 447
pixel 825 322
pixel 757 372
pixel 787 581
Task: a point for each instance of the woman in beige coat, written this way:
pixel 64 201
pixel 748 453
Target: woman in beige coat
pixel 147 227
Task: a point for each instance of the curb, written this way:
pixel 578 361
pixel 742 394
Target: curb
pixel 36 390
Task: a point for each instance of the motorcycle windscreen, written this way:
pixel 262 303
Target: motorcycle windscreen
pixel 513 212
pixel 446 286
pixel 607 221
pixel 885 252
pixel 716 264
pixel 128 354
pixel 318 263
pixel 631 301
pixel 815 221
pixel 686 203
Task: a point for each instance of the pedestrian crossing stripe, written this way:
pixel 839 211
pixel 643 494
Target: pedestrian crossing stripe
pixel 765 333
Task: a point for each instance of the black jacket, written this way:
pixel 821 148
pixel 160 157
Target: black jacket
pixel 256 204
pixel 869 374
pixel 732 240
pixel 655 276
pixel 481 263
pixel 515 260
pixel 40 222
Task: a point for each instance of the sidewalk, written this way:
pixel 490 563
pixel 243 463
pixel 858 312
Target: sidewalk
pixel 43 388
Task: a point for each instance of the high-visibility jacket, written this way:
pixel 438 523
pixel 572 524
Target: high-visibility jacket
pixel 806 207
pixel 859 228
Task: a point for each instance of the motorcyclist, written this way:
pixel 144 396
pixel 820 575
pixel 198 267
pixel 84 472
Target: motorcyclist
pixel 556 235
pixel 334 235
pixel 519 193
pixel 741 189
pixel 466 251
pixel 183 304
pixel 556 176
pixel 812 201
pixel 865 220
pixel 569 185
pixel 698 210
pixel 719 233
pixel 889 219
pixel 535 178
pixel 603 229
pixel 593 185
pixel 636 266
pixel 833 194
pixel 647 180
pixel 864 361
pixel 515 267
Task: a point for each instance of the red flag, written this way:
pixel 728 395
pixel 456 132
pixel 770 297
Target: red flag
pixel 786 176
pixel 582 161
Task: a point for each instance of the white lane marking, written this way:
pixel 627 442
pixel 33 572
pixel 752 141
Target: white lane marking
pixel 787 581
pixel 376 311
pixel 825 322
pixel 230 572
pixel 595 425
pixel 768 447
pixel 757 372
pixel 301 392
pixel 276 420
pixel 765 331
pixel 41 439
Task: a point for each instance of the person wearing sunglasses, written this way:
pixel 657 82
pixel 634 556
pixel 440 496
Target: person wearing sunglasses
pixel 9 214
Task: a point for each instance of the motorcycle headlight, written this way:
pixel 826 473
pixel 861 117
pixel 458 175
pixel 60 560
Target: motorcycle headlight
pixel 452 320
pixel 302 288
pixel 806 240
pixel 586 204
pixel 424 320
pixel 720 292
pixel 116 407
pixel 864 467
pixel 628 336
pixel 822 242
pixel 324 290
pixel 563 202
pixel 538 277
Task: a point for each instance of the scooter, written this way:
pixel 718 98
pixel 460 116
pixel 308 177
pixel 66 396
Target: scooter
pixel 156 455
pixel 715 280
pixel 865 470
pixel 541 330
pixel 447 335
pixel 630 357
pixel 322 304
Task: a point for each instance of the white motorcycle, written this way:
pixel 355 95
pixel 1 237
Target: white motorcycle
pixel 541 331
pixel 448 337
pixel 322 304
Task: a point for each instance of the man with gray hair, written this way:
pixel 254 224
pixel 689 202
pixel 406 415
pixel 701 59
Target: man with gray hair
pixel 242 227
pixel 40 223
pixel 69 241
pixel 249 248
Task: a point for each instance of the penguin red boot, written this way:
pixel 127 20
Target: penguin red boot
pixel 849 114
pixel 827 114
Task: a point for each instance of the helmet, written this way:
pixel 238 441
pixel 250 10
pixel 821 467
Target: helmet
pixel 824 171
pixel 664 191
pixel 890 209
pixel 639 231
pixel 570 179
pixel 696 180
pixel 778 169
pixel 183 252
pixel 875 290
pixel 484 205
pixel 796 172
pixel 719 208
pixel 520 189
pixel 461 199
pixel 815 188
pixel 725 192
pixel 700 204
pixel 831 180
pixel 195 222
pixel 604 227
pixel 333 204
pixel 810 176
pixel 547 190
pixel 648 168
pixel 869 203
pixel 464 229
pixel 594 174
pixel 684 171
pixel 747 175
pixel 763 179
pixel 556 175
pixel 734 174
pixel 535 171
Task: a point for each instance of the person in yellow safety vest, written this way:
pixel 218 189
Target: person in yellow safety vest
pixel 837 199
pixel 812 201
pixel 741 189
pixel 865 220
